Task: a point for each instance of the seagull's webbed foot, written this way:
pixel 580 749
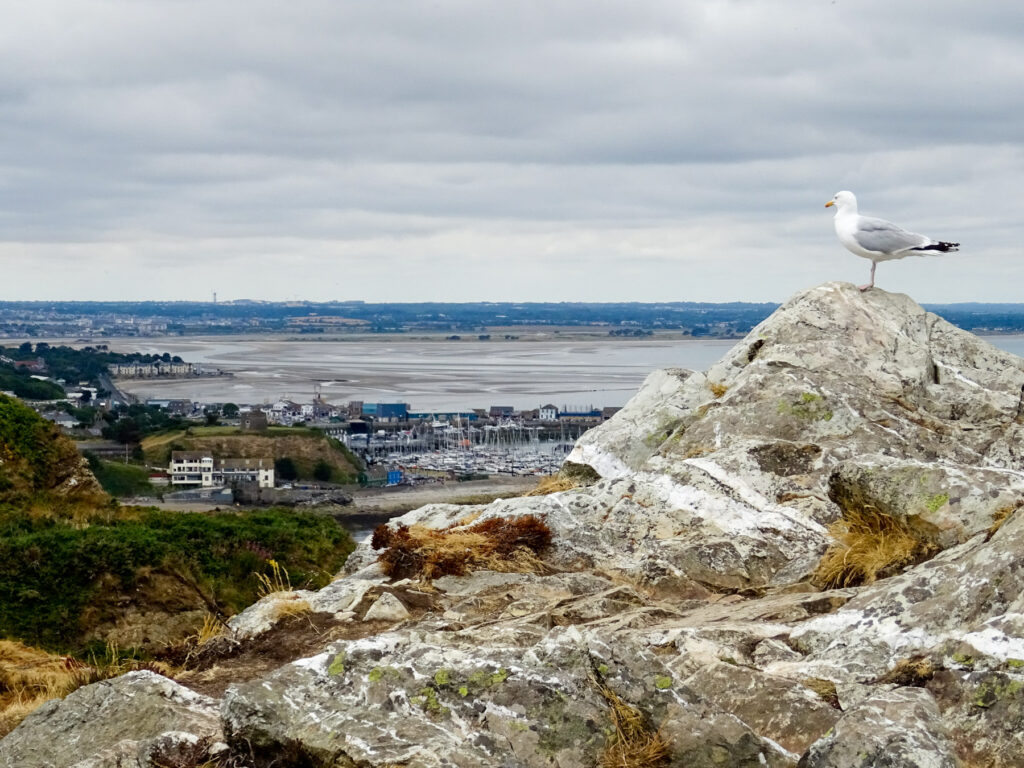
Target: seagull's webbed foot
pixel 867 287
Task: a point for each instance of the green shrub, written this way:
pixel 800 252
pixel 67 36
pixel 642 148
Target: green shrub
pixel 50 570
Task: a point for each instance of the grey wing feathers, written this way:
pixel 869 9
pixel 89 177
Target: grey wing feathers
pixel 885 237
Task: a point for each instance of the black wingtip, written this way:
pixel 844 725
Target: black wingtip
pixel 940 247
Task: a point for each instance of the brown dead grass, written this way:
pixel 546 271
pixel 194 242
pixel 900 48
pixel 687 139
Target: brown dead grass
pixel 1000 517
pixel 868 545
pixel 825 689
pixel 511 545
pixel 30 676
pixel 212 627
pixel 717 388
pixel 290 607
pixel 915 671
pixel 634 744
pixel 696 451
pixel 553 484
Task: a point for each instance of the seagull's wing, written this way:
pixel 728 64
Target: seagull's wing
pixel 883 236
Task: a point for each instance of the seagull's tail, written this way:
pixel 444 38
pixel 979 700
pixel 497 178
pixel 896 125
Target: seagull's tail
pixel 940 247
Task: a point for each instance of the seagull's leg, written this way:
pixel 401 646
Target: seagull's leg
pixel 872 283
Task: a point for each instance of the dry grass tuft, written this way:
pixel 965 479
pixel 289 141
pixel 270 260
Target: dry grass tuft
pixel 30 676
pixel 553 484
pixel 276 581
pixel 634 744
pixel 1001 516
pixel 915 671
pixel 291 607
pixel 717 388
pixel 825 689
pixel 472 517
pixel 869 545
pixel 212 628
pixel 504 544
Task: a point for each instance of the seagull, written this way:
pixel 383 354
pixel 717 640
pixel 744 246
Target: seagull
pixel 878 239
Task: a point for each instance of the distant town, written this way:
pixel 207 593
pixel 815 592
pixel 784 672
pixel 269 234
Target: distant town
pixel 88 321
pixel 79 390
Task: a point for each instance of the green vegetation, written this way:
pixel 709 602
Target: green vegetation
pixel 75 365
pixel 322 471
pixel 51 570
pixel 130 423
pixel 68 557
pixel 284 468
pixel 22 384
pixel 120 479
pixel 35 459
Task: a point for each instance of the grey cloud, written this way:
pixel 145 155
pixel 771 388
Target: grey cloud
pixel 496 137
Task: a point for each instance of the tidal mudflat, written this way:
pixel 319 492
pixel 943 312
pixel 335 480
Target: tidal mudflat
pixel 429 375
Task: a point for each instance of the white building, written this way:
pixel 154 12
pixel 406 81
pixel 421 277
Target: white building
pixel 547 413
pixel 191 468
pixel 260 471
pixel 284 412
pixel 200 468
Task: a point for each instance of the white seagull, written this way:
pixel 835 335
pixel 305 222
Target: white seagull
pixel 878 239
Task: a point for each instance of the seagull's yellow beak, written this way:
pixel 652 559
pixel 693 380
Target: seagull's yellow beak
pixel 830 203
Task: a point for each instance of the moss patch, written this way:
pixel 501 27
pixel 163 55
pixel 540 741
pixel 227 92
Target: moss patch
pixel 808 407
pixel 337 666
pixel 429 702
pixel 995 688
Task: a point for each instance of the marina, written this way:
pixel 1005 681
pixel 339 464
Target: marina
pixel 508 448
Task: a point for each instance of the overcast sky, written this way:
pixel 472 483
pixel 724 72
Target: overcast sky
pixel 575 150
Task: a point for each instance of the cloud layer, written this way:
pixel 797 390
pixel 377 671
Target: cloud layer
pixel 579 150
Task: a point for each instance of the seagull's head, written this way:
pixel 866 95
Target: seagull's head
pixel 844 200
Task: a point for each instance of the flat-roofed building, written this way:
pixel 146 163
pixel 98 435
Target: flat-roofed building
pixel 191 468
pixel 198 468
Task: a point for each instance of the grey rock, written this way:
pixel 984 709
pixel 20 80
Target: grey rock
pixel 894 729
pixel 983 711
pixel 783 710
pixel 971 594
pixel 387 607
pixel 134 721
pixel 432 701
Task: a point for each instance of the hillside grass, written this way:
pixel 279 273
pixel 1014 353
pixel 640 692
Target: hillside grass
pixel 52 569
pixel 119 479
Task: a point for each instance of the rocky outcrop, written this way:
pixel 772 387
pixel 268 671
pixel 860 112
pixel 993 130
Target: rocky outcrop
pixel 135 721
pixel 680 587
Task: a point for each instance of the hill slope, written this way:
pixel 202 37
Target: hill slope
pixel 303 446
pixel 75 568
pixel 38 463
